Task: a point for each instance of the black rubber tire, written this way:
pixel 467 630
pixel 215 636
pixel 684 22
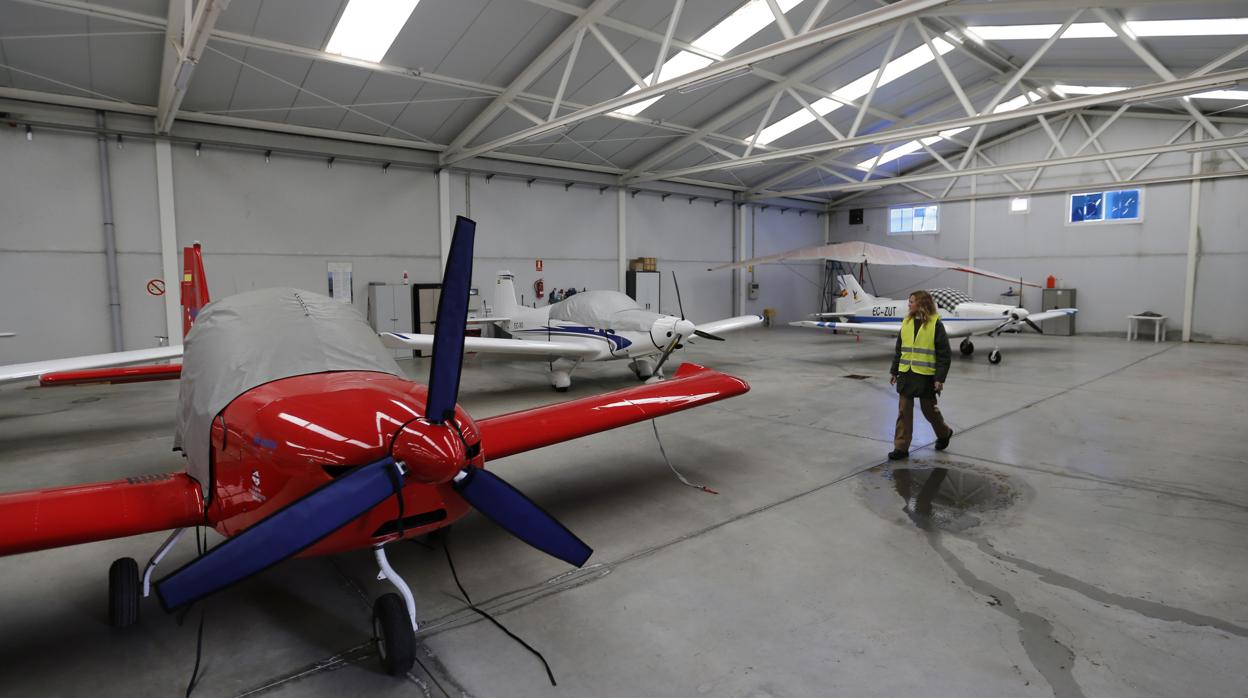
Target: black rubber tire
pixel 967 347
pixel 123 593
pixel 564 389
pixel 392 631
pixel 994 358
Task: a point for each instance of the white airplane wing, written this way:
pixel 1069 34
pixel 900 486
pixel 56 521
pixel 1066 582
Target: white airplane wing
pixel 17 372
pixel 494 345
pixel 731 324
pixel 1051 314
pixel 485 320
pixel 888 328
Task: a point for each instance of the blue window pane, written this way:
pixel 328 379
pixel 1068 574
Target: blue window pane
pixel 1086 207
pixel 1123 204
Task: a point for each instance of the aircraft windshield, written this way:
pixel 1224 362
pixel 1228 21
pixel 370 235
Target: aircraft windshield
pixel 603 309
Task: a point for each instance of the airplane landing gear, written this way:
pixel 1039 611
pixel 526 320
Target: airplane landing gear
pixel 561 374
pixel 123 593
pixel 643 368
pixel 994 357
pixel 394 621
pixel 967 347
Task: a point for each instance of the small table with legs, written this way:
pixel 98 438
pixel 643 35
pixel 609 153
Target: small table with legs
pixel 1133 326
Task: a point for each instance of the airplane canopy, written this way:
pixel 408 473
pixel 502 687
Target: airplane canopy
pixel 858 252
pixel 257 337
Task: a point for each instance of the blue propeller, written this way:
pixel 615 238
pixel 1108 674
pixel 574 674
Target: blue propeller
pixel 520 516
pixel 291 530
pixel 448 332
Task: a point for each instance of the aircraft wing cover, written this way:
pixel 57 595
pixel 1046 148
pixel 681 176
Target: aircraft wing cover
pixel 516 432
pixel 731 324
pixel 17 372
pixel 253 338
pixel 858 252
pixel 49 518
pixel 494 345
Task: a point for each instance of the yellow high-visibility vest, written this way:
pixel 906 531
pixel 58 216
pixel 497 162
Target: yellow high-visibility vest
pixel 918 354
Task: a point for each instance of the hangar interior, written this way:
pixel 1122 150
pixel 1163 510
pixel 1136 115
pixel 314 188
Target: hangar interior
pixel 1086 537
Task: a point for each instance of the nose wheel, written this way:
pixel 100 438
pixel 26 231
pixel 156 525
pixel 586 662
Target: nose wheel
pixel 967 347
pixel 123 593
pixel 994 357
pixel 394 621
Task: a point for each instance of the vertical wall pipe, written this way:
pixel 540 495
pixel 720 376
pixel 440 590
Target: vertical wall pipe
pixel 621 237
pixel 970 252
pixel 110 235
pixel 1193 248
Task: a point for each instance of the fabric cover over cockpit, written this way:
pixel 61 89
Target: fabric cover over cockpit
pixel 604 310
pixel 949 298
pixel 257 337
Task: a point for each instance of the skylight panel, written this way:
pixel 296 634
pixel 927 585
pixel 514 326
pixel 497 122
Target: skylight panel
pixel 913 146
pixel 855 90
pixel 1016 32
pixel 721 39
pixel 1086 89
pixel 368 28
pixel 1238 95
pixel 1190 27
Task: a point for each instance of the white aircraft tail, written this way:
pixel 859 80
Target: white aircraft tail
pixel 505 303
pixel 852 293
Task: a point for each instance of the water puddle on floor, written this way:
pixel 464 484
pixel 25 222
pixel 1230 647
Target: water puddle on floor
pixel 939 495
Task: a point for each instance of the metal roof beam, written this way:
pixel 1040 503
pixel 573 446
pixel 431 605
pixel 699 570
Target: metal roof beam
pixel 1168 88
pixel 189 49
pixel 901 10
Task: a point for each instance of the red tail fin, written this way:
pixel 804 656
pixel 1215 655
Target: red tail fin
pixel 194 286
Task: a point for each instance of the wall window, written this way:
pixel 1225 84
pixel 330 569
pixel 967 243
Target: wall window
pixel 1118 206
pixel 1020 204
pixel 904 220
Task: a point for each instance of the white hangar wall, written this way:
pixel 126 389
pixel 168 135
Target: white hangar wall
pixel 1118 268
pixel 279 222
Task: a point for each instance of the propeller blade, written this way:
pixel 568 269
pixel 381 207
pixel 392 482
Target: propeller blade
pixel 707 335
pixel 448 333
pixel 520 516
pixel 667 351
pixel 283 534
pixel 1033 325
pixel 678 303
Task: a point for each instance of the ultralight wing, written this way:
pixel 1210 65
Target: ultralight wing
pixel 888 328
pixel 731 324
pixel 858 252
pixel 494 345
pixel 516 432
pixel 17 372
pixel 49 518
pixel 1052 314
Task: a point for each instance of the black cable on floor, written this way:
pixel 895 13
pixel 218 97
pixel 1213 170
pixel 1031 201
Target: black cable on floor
pixel 654 423
pixel 467 599
pixel 201 545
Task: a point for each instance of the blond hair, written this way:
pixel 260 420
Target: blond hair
pixel 924 307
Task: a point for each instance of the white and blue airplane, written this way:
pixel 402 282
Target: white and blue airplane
pixel 858 312
pixel 587 326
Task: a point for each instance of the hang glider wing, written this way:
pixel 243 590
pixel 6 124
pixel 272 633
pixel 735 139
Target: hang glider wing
pixel 17 372
pixel 858 252
pixel 50 518
pixel 731 324
pixel 1052 314
pixel 495 345
pixel 693 385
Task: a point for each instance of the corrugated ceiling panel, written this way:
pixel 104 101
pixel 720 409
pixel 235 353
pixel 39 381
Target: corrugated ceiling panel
pixel 158 8
pixel 127 67
pixel 431 115
pixel 214 80
pixel 240 16
pixel 299 22
pixel 258 90
pixel 326 82
pixel 383 98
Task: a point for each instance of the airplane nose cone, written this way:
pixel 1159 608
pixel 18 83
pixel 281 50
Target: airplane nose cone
pixel 685 328
pixel 432 452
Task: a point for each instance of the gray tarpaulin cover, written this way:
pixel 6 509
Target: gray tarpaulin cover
pixel 257 337
pixel 603 309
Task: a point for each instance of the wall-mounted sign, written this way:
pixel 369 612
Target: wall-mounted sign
pixel 537 266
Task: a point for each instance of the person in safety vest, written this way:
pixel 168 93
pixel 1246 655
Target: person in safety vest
pixel 920 365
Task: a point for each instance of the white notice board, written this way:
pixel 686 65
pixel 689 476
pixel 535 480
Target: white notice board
pixel 340 281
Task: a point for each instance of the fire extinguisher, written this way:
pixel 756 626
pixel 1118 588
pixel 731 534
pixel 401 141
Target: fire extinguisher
pixel 539 288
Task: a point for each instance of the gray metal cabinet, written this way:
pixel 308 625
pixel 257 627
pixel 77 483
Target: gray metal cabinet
pixel 390 310
pixel 1052 298
pixel 643 287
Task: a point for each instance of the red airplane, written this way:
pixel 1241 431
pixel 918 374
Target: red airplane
pixel 303 438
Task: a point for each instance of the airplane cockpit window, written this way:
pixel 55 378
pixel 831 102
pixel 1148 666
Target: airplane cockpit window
pixel 949 298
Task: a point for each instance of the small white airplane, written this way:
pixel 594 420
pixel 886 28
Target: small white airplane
pixel 588 326
pixel 861 312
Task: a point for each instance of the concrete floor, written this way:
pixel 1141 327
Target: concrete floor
pixel 1090 539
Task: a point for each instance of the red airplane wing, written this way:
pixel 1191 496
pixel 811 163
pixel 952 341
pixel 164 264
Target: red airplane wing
pixel 693 385
pixel 124 374
pixel 50 518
